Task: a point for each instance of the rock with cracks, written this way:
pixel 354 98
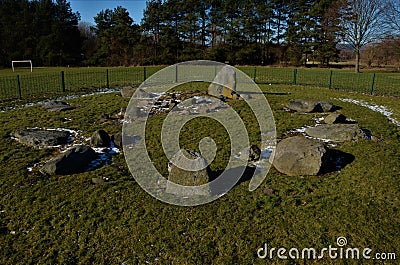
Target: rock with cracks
pixel 310 105
pixel 73 161
pixel 188 159
pixel 42 138
pixel 299 156
pixel 337 132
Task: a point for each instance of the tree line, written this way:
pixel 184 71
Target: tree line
pixel 258 32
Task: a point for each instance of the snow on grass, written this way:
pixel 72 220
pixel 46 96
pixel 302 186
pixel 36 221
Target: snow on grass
pixel 374 107
pixel 31 104
pixel 104 156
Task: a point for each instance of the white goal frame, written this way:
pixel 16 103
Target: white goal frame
pixel 21 61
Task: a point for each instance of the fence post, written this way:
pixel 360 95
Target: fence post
pixel 255 74
pixel 176 73
pixel 330 79
pixel 107 79
pixel 295 76
pixel 19 87
pixel 62 81
pixel 144 73
pixel 372 84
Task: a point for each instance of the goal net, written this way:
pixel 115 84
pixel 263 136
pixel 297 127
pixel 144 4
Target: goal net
pixel 21 61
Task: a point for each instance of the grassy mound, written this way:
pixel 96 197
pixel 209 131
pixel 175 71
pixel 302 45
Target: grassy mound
pixel 69 220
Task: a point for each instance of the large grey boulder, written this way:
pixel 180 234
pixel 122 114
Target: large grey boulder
pixel 100 138
pixel 74 160
pixel 337 132
pixel 42 138
pixel 299 156
pixel 309 105
pixel 54 105
pixel 185 177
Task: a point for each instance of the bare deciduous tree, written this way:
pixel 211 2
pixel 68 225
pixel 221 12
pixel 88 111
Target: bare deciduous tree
pixel 363 22
pixel 393 15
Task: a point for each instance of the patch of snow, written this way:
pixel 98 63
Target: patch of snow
pixel 319 120
pixel 31 104
pixel 104 156
pixel 265 154
pixel 377 108
pixel 299 130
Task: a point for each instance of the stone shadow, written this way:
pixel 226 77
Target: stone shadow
pixel 335 160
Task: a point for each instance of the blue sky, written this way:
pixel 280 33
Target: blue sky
pixel 90 8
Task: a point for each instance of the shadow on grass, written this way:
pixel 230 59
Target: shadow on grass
pixel 245 172
pixel 335 161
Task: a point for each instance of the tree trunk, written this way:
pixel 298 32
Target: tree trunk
pixel 357 67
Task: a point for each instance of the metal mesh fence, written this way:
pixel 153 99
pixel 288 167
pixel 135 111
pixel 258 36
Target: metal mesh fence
pixel 28 85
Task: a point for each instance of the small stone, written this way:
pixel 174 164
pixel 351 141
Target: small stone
pixel 254 153
pixel 117 139
pixel 100 138
pixel 374 138
pixel 97 181
pixel 335 118
pixel 268 191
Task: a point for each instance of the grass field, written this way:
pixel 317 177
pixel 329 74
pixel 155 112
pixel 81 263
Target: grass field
pixel 69 220
pixel 45 82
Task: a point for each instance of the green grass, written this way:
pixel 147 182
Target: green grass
pixel 68 220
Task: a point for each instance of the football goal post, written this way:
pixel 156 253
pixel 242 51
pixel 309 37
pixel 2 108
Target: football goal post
pixel 21 61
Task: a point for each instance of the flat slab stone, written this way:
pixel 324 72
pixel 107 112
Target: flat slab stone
pixel 42 138
pixel 54 105
pixel 309 105
pixel 337 132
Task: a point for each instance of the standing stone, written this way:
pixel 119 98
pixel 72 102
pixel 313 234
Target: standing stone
pixel 73 161
pixel 185 177
pixel 100 138
pixel 335 118
pixel 337 132
pixel 226 77
pixel 299 156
